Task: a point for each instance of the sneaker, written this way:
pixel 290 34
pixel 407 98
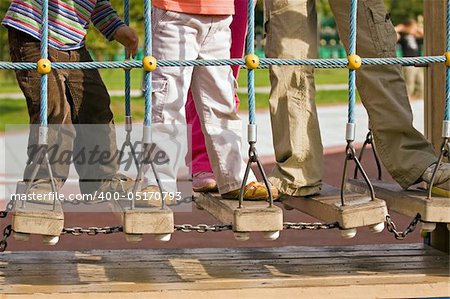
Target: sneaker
pixel 442 174
pixel 442 190
pixel 119 183
pixel 204 182
pixel 40 190
pixel 253 191
pixel 148 196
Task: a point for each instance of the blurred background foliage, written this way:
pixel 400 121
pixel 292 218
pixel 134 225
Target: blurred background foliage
pixel 103 50
pixel 13 111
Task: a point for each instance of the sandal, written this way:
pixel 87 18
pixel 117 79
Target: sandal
pixel 253 191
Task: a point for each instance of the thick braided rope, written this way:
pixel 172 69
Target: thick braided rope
pixel 251 73
pixel 404 61
pixel 352 26
pixel 148 52
pixel 44 54
pixel 126 19
pixel 447 95
pixel 264 63
pixel 447 71
pixel 352 73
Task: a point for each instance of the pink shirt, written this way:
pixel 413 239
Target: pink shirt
pixel 200 7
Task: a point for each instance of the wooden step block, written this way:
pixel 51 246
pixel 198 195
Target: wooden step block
pixel 254 216
pixel 148 220
pixel 359 210
pixel 37 214
pixel 408 202
pixel 38 218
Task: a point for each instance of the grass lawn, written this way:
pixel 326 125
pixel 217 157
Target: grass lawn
pixel 114 79
pixel 323 97
pixel 8 83
pixel 322 76
pixel 14 111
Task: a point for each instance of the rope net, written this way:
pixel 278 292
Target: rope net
pixel 353 63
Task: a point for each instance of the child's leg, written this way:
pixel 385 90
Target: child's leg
pixel 200 159
pixel 24 48
pixel 93 120
pixel 213 91
pixel 176 36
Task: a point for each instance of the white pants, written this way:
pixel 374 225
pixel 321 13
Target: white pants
pixel 179 36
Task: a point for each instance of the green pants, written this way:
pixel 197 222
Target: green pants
pixel 292 33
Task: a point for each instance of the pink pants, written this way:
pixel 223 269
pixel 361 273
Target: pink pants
pixel 200 159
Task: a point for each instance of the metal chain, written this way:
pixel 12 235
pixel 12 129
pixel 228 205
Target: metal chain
pixel 184 200
pixel 92 230
pixel 9 208
pixel 200 228
pixel 203 228
pixel 310 226
pixel 76 202
pixel 391 227
pixel 6 233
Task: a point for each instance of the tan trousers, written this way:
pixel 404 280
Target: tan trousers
pixel 292 33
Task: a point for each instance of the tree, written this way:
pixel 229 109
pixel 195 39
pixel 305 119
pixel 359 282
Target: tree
pixel 94 40
pixel 323 8
pixel 103 49
pixel 401 9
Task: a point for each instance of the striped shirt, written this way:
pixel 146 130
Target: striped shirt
pixel 201 7
pixel 68 20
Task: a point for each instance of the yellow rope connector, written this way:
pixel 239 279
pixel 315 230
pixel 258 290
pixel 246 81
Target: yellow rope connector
pixel 447 59
pixel 251 61
pixel 149 63
pixel 354 62
pixel 44 66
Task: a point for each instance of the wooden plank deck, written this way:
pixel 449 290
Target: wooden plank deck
pixel 365 271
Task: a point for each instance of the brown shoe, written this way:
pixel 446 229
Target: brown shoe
pixel 253 191
pixel 149 196
pixel 118 183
